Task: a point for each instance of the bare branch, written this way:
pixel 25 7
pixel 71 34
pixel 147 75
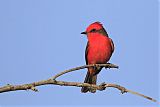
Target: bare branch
pixel 108 65
pixel 52 81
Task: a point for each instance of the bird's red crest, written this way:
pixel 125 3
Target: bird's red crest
pixel 95 25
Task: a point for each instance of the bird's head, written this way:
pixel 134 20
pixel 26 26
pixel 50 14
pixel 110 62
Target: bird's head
pixel 95 28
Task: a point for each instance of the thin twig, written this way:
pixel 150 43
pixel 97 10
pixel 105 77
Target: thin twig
pixel 108 65
pixel 136 93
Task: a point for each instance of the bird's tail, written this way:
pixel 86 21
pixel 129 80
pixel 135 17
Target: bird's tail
pixel 91 79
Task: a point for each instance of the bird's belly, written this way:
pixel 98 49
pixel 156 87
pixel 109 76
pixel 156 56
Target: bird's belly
pixel 99 54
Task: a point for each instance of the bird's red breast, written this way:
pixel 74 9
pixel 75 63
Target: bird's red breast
pixel 99 49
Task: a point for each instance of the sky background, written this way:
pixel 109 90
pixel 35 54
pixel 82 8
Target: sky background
pixel 40 38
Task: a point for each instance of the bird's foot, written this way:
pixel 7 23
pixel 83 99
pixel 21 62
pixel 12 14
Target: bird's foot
pixel 95 66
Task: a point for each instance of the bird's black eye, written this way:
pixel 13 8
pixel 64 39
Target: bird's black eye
pixel 93 30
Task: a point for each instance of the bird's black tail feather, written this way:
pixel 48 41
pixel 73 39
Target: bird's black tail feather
pixel 91 79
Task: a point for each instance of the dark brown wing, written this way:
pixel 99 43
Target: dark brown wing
pixel 112 45
pixel 86 53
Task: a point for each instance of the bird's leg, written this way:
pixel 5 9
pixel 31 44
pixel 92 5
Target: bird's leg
pixel 95 66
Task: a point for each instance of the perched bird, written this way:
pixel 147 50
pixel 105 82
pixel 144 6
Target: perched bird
pixel 98 51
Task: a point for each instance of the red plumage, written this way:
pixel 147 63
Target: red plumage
pixel 98 51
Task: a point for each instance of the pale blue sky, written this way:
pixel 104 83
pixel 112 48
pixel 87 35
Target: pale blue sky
pixel 39 38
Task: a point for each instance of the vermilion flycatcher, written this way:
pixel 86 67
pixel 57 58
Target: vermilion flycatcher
pixel 98 51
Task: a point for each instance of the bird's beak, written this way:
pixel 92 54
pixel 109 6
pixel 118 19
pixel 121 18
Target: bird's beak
pixel 84 33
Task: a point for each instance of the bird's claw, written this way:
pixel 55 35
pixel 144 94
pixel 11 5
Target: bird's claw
pixel 95 66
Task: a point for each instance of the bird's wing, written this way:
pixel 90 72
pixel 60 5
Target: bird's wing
pixel 112 45
pixel 86 53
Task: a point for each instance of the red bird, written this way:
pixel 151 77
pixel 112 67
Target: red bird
pixel 98 51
